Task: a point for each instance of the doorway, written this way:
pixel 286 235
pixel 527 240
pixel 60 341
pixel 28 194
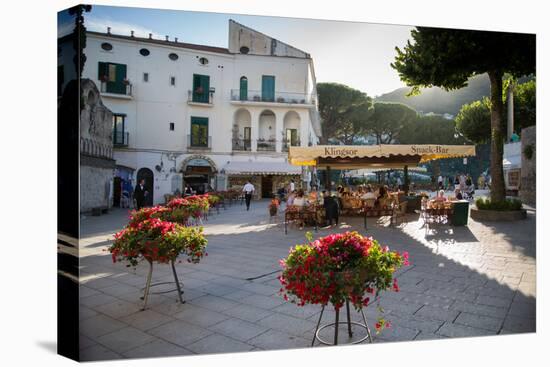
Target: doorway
pixel 147 175
pixel 267 186
pixel 117 190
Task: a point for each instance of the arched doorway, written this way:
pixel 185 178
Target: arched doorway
pixel 198 172
pixel 147 175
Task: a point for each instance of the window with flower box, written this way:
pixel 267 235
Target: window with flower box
pixel 112 77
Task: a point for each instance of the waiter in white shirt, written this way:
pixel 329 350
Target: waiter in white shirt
pixel 248 190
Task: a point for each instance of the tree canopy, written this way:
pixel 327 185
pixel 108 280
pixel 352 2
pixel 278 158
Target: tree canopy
pixel 430 129
pixel 448 57
pixel 474 121
pixel 525 105
pixel 344 112
pixel 387 120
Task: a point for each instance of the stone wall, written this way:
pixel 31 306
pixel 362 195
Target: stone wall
pixel 527 192
pixel 96 150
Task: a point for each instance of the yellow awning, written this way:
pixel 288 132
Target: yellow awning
pixel 375 156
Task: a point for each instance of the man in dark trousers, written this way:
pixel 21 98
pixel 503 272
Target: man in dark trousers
pixel 248 190
pixel 331 208
pixel 139 194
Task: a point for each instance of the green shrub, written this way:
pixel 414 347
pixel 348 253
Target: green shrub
pixel 504 205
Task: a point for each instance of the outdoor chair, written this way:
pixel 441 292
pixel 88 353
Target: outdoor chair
pixel 399 212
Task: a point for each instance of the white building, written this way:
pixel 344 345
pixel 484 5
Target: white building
pixel 186 113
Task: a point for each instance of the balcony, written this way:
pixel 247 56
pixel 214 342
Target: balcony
pixel 120 139
pixel 198 98
pixel 266 145
pixel 242 145
pixel 116 90
pixel 201 144
pixel 287 144
pixel 283 98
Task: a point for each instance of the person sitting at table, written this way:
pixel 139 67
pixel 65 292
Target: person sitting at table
pixel 441 196
pixel 368 194
pixel 299 200
pixel 290 198
pixel 458 194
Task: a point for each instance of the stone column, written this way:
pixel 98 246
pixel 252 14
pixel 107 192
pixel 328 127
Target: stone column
pixel 254 129
pixel 279 126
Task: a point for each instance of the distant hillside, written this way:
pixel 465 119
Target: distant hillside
pixel 437 100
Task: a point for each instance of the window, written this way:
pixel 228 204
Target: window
pixel 113 76
pixel 244 50
pixel 173 56
pixel 268 88
pixel 199 132
pixel 243 89
pixel 144 52
pixel 292 137
pixel 247 135
pixel 173 81
pixel 201 88
pixel 146 77
pixel 106 46
pixel 203 61
pixel 172 126
pixel 120 136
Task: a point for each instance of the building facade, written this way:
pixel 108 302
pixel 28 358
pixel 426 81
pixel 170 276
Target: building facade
pixel 202 115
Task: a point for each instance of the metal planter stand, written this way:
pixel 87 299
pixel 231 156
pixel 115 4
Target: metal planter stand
pixel 336 323
pixel 148 285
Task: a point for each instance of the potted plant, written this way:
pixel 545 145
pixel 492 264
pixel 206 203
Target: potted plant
pixel 340 269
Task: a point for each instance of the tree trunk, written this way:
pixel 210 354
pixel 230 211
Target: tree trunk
pixel 497 173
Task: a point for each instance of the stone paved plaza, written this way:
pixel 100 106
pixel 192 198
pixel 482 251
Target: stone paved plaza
pixel 477 280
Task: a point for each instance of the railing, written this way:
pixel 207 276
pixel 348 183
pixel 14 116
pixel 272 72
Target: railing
pixel 242 144
pixel 116 88
pixel 120 139
pixel 199 144
pixel 206 97
pixel 266 145
pixel 279 97
pixel 287 144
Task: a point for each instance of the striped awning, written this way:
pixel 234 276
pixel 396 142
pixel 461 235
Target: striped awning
pixel 374 156
pixel 261 168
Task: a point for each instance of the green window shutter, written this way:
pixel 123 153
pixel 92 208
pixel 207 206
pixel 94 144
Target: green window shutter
pixel 268 88
pixel 243 92
pixel 199 131
pixel 118 85
pixel 101 70
pixel 201 88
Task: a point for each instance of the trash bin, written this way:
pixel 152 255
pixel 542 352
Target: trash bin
pixel 460 213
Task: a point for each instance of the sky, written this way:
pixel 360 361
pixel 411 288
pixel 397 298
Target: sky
pixel 351 53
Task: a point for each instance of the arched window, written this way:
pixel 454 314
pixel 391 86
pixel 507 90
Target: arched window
pixel 243 89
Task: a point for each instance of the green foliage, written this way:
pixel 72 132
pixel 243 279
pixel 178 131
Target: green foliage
pixel 429 129
pixel 528 151
pixel 474 121
pixel 388 119
pixel 343 111
pixel 503 205
pixel 525 103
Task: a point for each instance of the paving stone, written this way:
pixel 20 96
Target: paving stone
pixel 147 319
pixel 247 313
pixel 214 303
pixel 301 312
pixel 434 313
pixel 85 312
pixel 516 324
pixel 265 302
pixel 96 300
pixel 288 324
pixel 478 321
pixel 479 309
pixel 118 309
pixel 99 325
pixel 157 348
pixel 217 343
pixel 124 339
pixel 199 316
pixel 523 309
pixel 274 339
pixel 99 283
pixel 98 353
pixel 180 332
pixel 86 292
pixel 493 301
pixel 429 336
pixel 119 289
pixel 238 329
pixel 238 295
pixel 85 342
pixel 460 331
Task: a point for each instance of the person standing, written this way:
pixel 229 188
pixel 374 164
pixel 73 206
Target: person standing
pixel 440 182
pixel 139 194
pixel 248 190
pixel 292 186
pixel 331 208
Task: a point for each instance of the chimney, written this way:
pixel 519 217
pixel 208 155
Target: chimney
pixel 108 30
pixel 150 36
pixel 166 38
pixel 132 33
pixel 176 39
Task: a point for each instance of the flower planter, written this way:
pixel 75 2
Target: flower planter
pixel 497 215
